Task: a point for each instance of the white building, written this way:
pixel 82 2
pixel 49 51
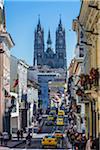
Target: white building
pixel 14 92
pixel 19 91
pixel 32 93
pixel 22 93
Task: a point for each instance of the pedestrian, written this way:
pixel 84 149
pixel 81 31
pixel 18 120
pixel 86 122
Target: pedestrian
pixel 39 130
pixel 89 144
pixel 21 133
pixel 1 138
pixel 18 134
pixel 28 139
pixel 5 138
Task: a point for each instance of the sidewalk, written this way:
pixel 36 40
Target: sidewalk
pixel 11 144
pixel 69 146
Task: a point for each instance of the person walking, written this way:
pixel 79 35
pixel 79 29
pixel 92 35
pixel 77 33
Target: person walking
pixel 5 138
pixel 21 133
pixel 28 139
pixel 89 144
pixel 18 135
pixel 1 138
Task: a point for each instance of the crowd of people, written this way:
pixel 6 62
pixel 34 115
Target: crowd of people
pixel 28 136
pixel 20 134
pixel 78 138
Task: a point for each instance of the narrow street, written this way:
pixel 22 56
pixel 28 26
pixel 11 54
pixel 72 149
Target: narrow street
pixel 46 130
pixel 50 74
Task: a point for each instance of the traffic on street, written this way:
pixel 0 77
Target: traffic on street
pixel 50 74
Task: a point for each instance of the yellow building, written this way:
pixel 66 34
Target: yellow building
pixel 87 27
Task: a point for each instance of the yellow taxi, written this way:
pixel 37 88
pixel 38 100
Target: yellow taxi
pixel 49 140
pixel 53 112
pixel 61 113
pixel 60 121
pixel 50 117
pixel 58 134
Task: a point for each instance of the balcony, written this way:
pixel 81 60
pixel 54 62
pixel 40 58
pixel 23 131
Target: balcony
pixel 90 82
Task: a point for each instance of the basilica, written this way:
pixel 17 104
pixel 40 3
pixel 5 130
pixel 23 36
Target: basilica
pixel 47 56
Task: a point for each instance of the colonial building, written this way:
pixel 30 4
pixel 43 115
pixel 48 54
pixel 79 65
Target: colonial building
pixel 6 43
pixel 47 56
pixel 87 27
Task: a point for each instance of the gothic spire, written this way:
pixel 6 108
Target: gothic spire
pixel 60 22
pixel 38 19
pixel 60 27
pixel 39 24
pixel 49 42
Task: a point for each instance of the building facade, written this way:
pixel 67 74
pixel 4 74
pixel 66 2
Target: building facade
pixel 87 27
pixel 14 92
pixel 32 94
pixel 47 56
pixel 6 43
pixel 22 93
pixel 19 89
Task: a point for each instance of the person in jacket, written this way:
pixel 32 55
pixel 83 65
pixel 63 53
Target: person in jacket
pixel 1 138
pixel 5 138
pixel 89 144
pixel 18 135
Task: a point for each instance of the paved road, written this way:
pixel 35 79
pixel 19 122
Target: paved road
pixel 36 141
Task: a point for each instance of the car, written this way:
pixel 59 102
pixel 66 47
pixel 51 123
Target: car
pixel 58 134
pixel 49 140
pixel 61 113
pixel 51 117
pixel 52 112
pixel 60 121
pixel 50 123
pixel 35 129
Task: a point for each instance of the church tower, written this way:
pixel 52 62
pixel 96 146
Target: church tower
pixel 60 46
pixel 38 44
pixel 49 55
pixel 49 42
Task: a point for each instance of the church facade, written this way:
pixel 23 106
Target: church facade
pixel 47 56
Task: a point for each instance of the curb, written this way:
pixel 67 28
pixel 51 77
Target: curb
pixel 14 146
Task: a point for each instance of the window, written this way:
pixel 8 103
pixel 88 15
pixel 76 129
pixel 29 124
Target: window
pixel 81 52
